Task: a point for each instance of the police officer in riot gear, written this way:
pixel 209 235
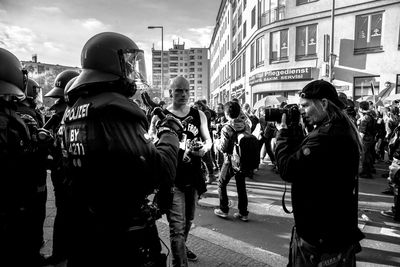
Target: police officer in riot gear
pixel 27 108
pixel 62 82
pixel 111 164
pixel 18 191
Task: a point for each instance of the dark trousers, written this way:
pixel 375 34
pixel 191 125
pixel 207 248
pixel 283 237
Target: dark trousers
pixel 61 235
pixel 224 178
pixel 367 158
pixel 303 254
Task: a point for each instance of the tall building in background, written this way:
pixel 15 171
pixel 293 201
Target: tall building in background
pixel 192 63
pixel 275 47
pixel 44 74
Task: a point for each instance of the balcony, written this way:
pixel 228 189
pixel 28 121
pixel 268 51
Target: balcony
pixel 273 15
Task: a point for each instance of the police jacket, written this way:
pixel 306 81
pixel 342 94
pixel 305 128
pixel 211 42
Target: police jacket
pixel 111 164
pixel 322 168
pixel 15 185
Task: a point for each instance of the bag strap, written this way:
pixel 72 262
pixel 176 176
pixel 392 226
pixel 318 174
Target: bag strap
pixel 283 202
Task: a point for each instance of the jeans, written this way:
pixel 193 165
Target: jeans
pixel 224 178
pixel 180 217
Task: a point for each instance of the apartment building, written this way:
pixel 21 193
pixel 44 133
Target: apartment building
pixel 278 46
pixel 192 63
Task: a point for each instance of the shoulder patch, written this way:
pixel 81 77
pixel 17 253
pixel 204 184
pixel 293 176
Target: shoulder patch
pixel 306 151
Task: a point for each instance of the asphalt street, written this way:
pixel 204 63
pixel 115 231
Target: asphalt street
pixel 264 239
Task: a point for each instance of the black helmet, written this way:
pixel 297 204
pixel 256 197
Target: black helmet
pixel 13 78
pixel 33 89
pixel 69 97
pixel 60 83
pixel 111 57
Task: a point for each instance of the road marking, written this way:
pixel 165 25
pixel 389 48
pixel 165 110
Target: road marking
pixel 390 232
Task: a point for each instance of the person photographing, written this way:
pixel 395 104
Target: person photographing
pixel 322 169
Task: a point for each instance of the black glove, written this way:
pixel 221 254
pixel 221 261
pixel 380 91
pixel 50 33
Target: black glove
pixel 169 124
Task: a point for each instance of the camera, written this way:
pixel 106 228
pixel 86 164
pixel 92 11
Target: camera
pixel 292 114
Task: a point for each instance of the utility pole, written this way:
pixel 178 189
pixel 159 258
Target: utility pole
pixel 332 57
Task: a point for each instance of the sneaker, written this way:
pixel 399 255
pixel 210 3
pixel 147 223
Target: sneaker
pixel 388 213
pixel 190 255
pixel 239 216
pixel 220 213
pixel 388 191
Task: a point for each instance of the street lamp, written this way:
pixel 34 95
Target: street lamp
pixel 162 56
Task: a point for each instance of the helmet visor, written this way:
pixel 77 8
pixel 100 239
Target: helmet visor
pixel 135 67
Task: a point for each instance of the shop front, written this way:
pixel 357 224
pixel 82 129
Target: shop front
pixel 284 82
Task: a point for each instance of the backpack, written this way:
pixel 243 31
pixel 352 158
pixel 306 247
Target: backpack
pixel 246 152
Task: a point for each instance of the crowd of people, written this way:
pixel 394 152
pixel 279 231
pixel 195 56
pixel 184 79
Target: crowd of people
pixel 120 160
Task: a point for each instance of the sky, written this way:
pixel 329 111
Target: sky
pixel 57 30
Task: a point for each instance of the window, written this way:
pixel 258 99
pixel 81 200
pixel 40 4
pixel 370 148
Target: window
pixel 199 75
pixel 233 72
pixel 200 81
pixel 367 85
pixel 199 57
pixel 185 64
pixel 368 34
pixel 260 51
pixel 301 2
pixel 199 63
pixel 244 29
pixel 252 56
pixel 272 10
pixel 191 69
pixel 239 67
pixel 199 69
pixel 279 46
pixel 398 84
pixel 244 64
pixel 253 17
pixel 191 81
pixel 306 42
pixel 244 4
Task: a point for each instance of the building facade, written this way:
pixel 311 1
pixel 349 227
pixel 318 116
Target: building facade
pixel 192 63
pixel 220 56
pixel 45 74
pixel 278 46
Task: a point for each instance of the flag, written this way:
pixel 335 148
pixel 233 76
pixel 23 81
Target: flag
pixel 372 88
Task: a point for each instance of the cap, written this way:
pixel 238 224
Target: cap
pixel 320 89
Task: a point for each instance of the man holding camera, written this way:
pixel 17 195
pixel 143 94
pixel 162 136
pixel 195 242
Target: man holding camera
pixel 323 179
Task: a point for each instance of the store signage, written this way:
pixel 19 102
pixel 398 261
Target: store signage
pixel 281 75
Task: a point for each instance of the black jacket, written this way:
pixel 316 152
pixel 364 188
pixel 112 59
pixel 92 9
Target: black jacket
pixel 322 168
pixel 111 163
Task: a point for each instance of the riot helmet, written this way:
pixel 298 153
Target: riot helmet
pixel 69 98
pixel 113 59
pixel 33 89
pixel 60 83
pixel 13 78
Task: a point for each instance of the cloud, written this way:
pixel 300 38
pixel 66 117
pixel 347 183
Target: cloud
pixel 3 14
pixel 53 46
pixel 49 10
pixel 17 39
pixel 203 35
pixel 93 24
